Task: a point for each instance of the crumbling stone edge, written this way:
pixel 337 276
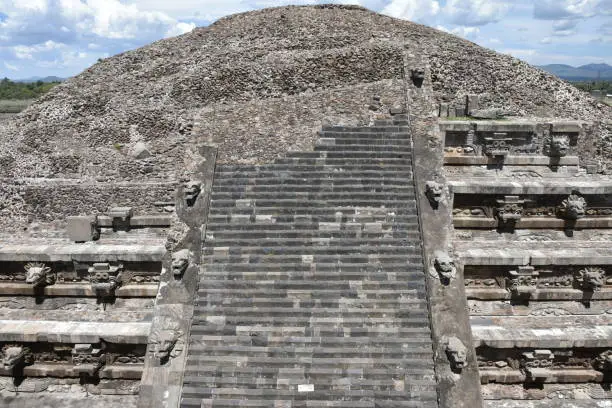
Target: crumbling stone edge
pixel 456 370
pixel 167 350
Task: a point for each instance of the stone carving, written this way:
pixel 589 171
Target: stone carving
pixel 121 217
pixel 14 356
pixel 88 358
pixel 573 207
pixel 105 279
pixel 603 362
pixel 417 76
pixel 509 210
pixel 497 145
pixel 192 191
pixel 590 278
pixel 523 281
pixel 166 340
pixel 180 262
pixel 444 266
pixel 38 274
pixel 559 145
pixel 537 365
pixel 434 192
pixel 456 353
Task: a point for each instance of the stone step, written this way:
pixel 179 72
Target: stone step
pixel 320 276
pixel 423 342
pixel 265 219
pixel 225 252
pixel 319 332
pixel 301 179
pixel 372 130
pixel 289 401
pixel 271 258
pixel 396 163
pixel 320 383
pixel 302 234
pixel 346 196
pixel 295 293
pixel 312 312
pixel 312 226
pixel 349 143
pixel 401 302
pixel 391 203
pixel 312 274
pixel 323 262
pixel 342 175
pixel 329 362
pixel 292 351
pixel 347 152
pixel 411 238
pixel 362 169
pixel 343 210
pixel 315 322
pixel 311 284
pixel 328 187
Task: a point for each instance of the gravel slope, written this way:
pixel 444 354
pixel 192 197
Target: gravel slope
pixel 235 79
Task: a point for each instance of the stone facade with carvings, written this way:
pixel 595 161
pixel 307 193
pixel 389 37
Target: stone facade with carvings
pixel 357 223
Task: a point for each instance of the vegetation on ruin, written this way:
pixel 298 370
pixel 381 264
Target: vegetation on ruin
pixel 588 86
pixel 16 96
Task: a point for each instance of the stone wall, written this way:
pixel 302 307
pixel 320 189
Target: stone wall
pixel 291 123
pixel 46 202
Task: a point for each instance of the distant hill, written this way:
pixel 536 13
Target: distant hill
pixel 582 73
pixel 42 79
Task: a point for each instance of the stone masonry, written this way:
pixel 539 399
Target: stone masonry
pixel 312 287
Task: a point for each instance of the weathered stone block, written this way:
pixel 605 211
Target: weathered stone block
pixel 82 228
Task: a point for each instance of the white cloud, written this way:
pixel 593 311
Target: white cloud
pixel 561 25
pixel 27 52
pixel 32 21
pixel 414 10
pixel 11 66
pixel 461 31
pixel 562 9
pixel 475 12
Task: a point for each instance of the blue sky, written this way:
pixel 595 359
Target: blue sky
pixel 63 37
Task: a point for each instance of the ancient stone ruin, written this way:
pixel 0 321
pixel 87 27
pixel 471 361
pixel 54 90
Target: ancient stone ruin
pixel 307 207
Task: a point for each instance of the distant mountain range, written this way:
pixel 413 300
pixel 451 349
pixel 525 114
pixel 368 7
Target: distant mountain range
pixel 43 79
pixel 583 73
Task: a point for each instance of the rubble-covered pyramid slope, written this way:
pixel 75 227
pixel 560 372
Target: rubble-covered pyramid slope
pixel 259 84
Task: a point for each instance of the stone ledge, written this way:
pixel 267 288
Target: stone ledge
pixel 489 125
pixel 59 370
pixel 548 256
pixel 76 290
pixel 525 160
pixel 139 221
pixel 86 252
pixel 547 403
pixel 491 335
pixel 534 223
pixel 538 295
pixel 514 187
pixel 27 331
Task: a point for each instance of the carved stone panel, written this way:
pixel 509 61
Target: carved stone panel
pixel 38 274
pixel 444 267
pixel 434 192
pixel 105 278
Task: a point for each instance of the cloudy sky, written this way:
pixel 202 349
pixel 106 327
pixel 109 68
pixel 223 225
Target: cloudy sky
pixel 63 37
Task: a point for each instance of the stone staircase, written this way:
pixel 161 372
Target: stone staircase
pixel 312 291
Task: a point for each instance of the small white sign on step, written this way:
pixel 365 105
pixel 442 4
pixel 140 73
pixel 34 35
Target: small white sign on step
pixel 305 387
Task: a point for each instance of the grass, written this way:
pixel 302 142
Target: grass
pixel 13 106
